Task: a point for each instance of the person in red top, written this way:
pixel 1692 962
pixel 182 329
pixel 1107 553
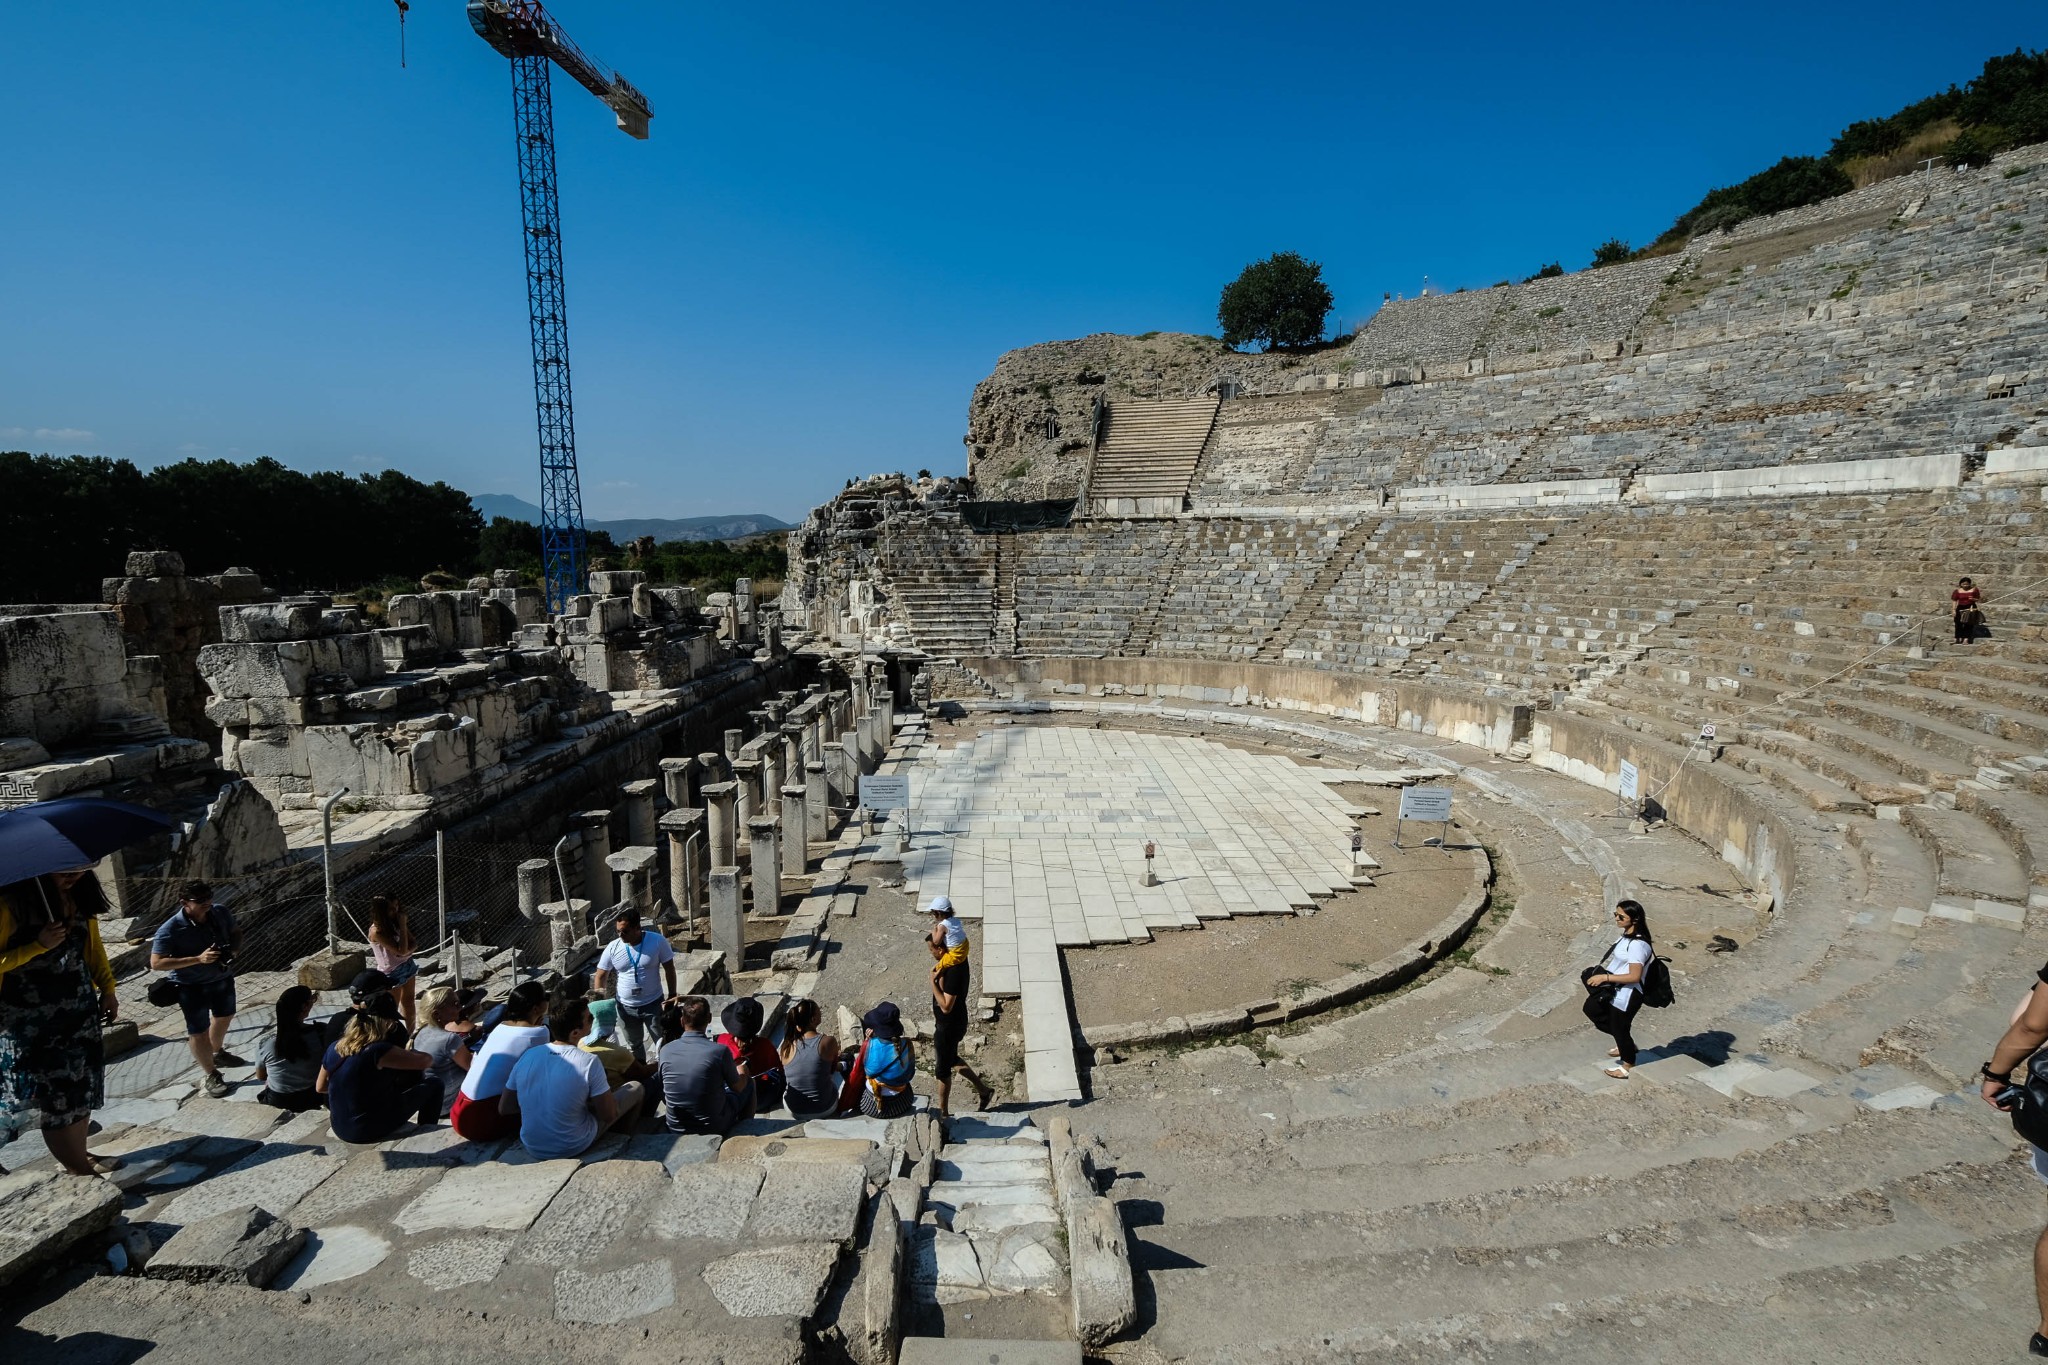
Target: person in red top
pixel 743 1020
pixel 1969 616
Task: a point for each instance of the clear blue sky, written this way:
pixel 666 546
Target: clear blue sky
pixel 240 229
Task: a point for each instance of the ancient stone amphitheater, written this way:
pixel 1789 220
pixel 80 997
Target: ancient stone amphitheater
pixel 1541 534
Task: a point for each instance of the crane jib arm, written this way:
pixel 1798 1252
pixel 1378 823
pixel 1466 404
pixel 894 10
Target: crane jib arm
pixel 524 28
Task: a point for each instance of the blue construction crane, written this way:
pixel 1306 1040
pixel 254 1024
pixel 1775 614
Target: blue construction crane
pixel 526 33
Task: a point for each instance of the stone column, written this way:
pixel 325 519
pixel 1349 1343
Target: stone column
pixel 795 831
pixel 638 799
pixel 685 831
pixel 728 920
pixel 597 847
pixel 853 763
pixel 767 867
pixel 793 756
pixel 733 740
pixel 773 776
pixel 721 823
pixel 678 778
pixel 536 887
pixel 634 866
pixel 710 768
pixel 569 937
pixel 746 771
pixel 817 802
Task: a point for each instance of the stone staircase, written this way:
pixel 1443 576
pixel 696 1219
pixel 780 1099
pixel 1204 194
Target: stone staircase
pixel 941 586
pixel 1146 458
pixel 1003 631
pixel 1145 626
pixel 1355 542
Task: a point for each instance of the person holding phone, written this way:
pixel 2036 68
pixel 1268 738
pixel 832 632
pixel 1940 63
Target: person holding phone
pixel 196 947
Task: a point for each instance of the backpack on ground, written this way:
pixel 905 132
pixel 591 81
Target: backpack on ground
pixel 1657 983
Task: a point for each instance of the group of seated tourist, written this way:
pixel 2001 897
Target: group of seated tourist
pixel 549 1067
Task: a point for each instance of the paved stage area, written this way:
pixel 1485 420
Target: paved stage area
pixel 1041 833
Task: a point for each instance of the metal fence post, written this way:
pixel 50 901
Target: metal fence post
pixel 327 868
pixel 441 884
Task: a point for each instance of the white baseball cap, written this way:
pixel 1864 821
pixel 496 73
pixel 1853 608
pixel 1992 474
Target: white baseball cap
pixel 941 905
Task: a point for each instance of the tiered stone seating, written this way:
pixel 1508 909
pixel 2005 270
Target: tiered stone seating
pixel 1262 446
pixel 1233 583
pixel 1447 1176
pixel 1404 587
pixel 1564 620
pixel 1080 590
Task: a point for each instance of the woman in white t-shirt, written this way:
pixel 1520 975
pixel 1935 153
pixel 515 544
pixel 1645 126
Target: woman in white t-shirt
pixel 1614 988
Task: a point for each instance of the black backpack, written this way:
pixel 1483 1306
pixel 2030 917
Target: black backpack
pixel 1657 983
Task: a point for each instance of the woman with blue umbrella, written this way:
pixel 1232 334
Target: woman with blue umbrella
pixel 56 985
pixel 56 990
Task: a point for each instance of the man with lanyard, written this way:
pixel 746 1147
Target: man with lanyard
pixel 196 946
pixel 631 960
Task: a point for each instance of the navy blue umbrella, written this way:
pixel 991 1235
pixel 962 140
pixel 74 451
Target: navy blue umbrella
pixel 77 831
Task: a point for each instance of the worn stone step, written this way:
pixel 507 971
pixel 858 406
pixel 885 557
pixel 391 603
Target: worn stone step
pixel 1754 1246
pixel 1972 858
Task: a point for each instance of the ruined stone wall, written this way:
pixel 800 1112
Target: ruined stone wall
pixel 460 692
pixel 858 563
pixel 166 614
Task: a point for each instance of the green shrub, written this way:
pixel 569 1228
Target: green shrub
pixel 1794 182
pixel 1548 272
pixel 1613 251
pixel 1974 147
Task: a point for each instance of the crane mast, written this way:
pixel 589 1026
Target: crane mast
pixel 524 32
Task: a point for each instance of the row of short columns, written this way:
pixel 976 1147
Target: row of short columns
pixel 776 802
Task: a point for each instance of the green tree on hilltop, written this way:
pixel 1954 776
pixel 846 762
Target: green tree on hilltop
pixel 1280 301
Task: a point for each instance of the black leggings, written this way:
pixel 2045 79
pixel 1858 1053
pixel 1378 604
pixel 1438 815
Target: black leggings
pixel 297 1101
pixel 1615 1023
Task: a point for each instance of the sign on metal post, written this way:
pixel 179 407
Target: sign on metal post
pixel 885 791
pixel 1425 803
pixel 1625 790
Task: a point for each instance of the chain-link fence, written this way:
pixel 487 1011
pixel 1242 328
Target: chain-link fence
pixel 283 913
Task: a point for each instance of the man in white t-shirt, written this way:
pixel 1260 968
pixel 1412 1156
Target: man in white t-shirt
pixel 559 1093
pixel 636 960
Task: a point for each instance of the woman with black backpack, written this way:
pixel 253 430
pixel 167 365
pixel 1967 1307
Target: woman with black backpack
pixel 1614 987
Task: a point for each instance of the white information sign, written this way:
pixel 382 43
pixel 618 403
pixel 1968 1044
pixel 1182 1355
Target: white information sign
pixel 1628 781
pixel 1426 803
pixel 885 791
pixel 1707 730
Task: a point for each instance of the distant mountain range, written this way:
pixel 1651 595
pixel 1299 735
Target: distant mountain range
pixel 732 527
